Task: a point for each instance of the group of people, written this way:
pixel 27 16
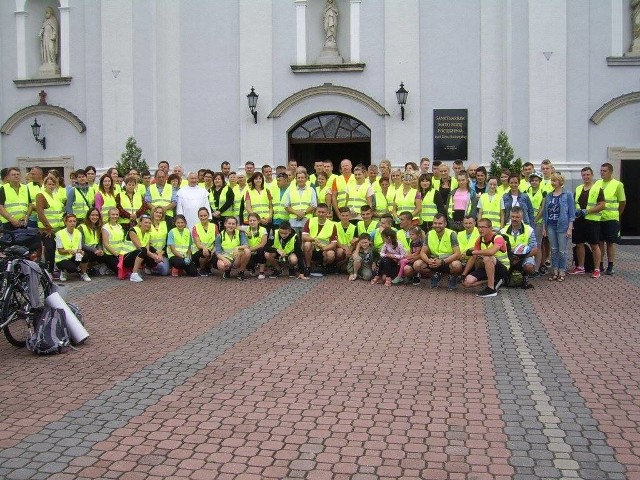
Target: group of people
pixel 376 223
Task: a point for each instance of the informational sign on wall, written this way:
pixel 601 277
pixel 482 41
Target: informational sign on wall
pixel 450 134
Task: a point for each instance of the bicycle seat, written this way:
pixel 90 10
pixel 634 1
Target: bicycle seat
pixel 17 251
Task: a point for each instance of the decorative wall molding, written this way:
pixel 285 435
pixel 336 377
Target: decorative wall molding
pixel 630 60
pixel 614 104
pixel 327 89
pixel 34 110
pixel 316 68
pixel 42 82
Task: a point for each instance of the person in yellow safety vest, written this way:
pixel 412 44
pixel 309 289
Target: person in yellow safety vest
pixel 269 180
pixel 35 186
pixel 105 198
pixel 115 179
pixel 319 240
pixel 286 251
pixel 300 202
pixel 590 203
pixel 15 202
pixel 328 169
pixel 91 178
pixel 162 194
pixel 69 254
pixel 412 240
pixel 145 183
pixel 346 237
pixel 144 253
pixel 339 188
pixel 490 262
pixel 113 241
pixel 91 233
pixel 204 238
pixel 318 166
pixel 380 203
pixel 258 200
pixel 80 197
pixel 159 232
pixel 373 178
pixel 407 198
pixel 277 196
pixel 394 186
pixel 522 239
pixel 536 194
pixel 467 238
pixel 386 221
pixel 444 183
pixel 359 193
pixel 440 254
pixel 547 170
pixel 180 248
pixel 503 184
pixel 256 241
pixel 220 200
pixel 179 171
pixel 490 203
pixel 615 202
pixel 232 249
pixel 431 201
pixel 367 225
pixel 240 190
pixel 50 211
pixel 130 203
pixel 323 189
pixel 237 194
pixel 462 201
pixel 527 170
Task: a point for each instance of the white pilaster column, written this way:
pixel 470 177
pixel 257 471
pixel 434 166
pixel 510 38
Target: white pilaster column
pixel 301 32
pixel 64 38
pixel 547 81
pixel 354 31
pixel 617 27
pixel 21 50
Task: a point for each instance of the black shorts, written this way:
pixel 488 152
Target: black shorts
pixel 445 268
pixel 501 273
pixel 317 256
pixel 586 231
pixel 610 231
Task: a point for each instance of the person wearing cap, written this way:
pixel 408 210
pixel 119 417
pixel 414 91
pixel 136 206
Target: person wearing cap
pixel 522 239
pixel 536 195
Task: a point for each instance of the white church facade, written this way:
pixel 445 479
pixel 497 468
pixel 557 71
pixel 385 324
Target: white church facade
pixel 560 77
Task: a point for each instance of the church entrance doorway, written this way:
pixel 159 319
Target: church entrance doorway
pixel 329 136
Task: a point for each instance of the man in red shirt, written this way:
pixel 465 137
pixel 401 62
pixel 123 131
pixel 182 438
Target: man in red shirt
pixel 490 261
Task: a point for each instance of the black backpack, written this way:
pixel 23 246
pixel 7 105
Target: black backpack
pixel 50 333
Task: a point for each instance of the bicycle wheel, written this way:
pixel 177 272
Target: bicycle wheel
pixel 16 308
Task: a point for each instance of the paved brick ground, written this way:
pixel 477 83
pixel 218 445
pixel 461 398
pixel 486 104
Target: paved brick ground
pixel 205 378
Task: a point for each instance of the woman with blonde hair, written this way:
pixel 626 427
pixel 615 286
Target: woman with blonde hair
pixel 559 212
pixel 50 210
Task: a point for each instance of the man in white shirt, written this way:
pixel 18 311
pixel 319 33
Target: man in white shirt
pixel 190 199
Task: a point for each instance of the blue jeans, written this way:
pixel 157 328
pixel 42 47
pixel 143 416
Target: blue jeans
pixel 559 243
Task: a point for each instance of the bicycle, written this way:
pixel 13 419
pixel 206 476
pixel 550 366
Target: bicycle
pixel 18 300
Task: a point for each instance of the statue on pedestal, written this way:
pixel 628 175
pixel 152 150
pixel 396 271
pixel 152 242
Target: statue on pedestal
pixel 49 36
pixel 330 54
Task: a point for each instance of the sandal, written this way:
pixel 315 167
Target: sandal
pixel 561 278
pixel 553 277
pixel 387 282
pixel 375 280
pixel 353 277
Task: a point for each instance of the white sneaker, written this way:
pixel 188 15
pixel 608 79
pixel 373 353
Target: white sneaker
pixel 63 276
pixel 84 277
pixel 135 277
pixel 147 271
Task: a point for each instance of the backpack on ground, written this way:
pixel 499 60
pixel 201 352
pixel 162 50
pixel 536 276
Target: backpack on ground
pixel 50 333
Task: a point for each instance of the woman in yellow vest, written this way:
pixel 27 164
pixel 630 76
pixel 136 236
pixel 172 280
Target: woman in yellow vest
pixel 91 230
pixel 115 180
pixel 431 201
pixel 490 204
pixel 462 201
pixel 407 199
pixel 113 241
pixel 180 247
pixel 220 200
pixel 394 186
pixel 232 249
pixel 130 203
pixel 323 189
pixel 50 212
pixel 204 238
pixel 105 197
pixel 159 232
pixel 256 241
pixel 381 204
pixel 144 253
pixel 69 253
pixel 257 199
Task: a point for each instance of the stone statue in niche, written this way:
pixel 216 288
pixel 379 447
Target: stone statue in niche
pixel 330 54
pixel 49 36
pixel 635 24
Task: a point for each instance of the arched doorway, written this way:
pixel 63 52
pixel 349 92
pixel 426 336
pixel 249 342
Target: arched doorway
pixel 329 136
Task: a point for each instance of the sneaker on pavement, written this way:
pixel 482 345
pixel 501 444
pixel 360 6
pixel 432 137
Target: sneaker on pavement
pixel 261 276
pixel 85 277
pixel 63 276
pixel 596 273
pixel 292 273
pixel 416 280
pixel 609 270
pixel 147 271
pixel 204 273
pixel 453 283
pixel 135 277
pixel 275 274
pixel 576 271
pixel 487 292
pixel 226 274
pixel 435 280
pixel 498 284
pixel 397 280
pixel 241 276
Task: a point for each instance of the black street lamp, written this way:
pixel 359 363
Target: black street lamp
pixel 401 95
pixel 35 129
pixel 253 101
